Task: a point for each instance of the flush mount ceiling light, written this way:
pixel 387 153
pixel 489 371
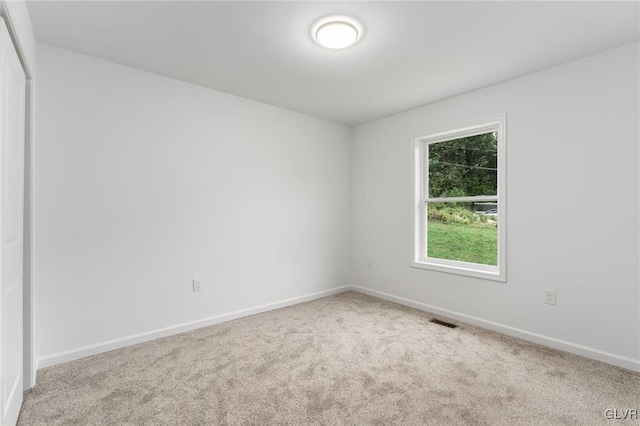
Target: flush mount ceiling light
pixel 336 32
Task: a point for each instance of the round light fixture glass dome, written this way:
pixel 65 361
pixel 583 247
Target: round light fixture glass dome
pixel 336 32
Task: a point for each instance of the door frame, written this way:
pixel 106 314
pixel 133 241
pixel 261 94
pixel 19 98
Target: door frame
pixel 18 22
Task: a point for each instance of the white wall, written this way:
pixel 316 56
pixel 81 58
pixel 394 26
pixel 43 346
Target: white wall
pixel 144 182
pixel 572 201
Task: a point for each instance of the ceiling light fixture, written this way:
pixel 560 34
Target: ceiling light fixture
pixel 336 32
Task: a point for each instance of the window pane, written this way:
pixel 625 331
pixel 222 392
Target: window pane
pixel 466 232
pixel 464 167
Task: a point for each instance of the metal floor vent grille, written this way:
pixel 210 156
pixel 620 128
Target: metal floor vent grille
pixel 446 324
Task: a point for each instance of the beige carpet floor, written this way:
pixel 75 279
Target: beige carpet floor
pixel 348 359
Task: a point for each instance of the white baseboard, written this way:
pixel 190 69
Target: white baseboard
pixel 85 351
pixel 609 358
pixel 82 352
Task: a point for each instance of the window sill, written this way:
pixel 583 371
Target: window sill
pixel 461 270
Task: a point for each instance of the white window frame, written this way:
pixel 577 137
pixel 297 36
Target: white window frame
pixel 421 198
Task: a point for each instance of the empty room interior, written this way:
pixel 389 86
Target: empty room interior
pixel 340 213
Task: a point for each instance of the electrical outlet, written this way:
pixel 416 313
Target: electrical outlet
pixel 549 296
pixel 197 284
pixel 369 264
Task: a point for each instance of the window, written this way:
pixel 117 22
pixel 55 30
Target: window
pixel 460 224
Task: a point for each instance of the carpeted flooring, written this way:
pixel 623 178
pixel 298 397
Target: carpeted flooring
pixel 348 359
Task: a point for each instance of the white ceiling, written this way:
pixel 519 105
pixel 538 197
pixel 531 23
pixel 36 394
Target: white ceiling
pixel 412 53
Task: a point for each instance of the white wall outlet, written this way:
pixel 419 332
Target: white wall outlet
pixel 369 264
pixel 197 284
pixel 549 296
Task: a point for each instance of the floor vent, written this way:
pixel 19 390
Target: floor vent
pixel 446 324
